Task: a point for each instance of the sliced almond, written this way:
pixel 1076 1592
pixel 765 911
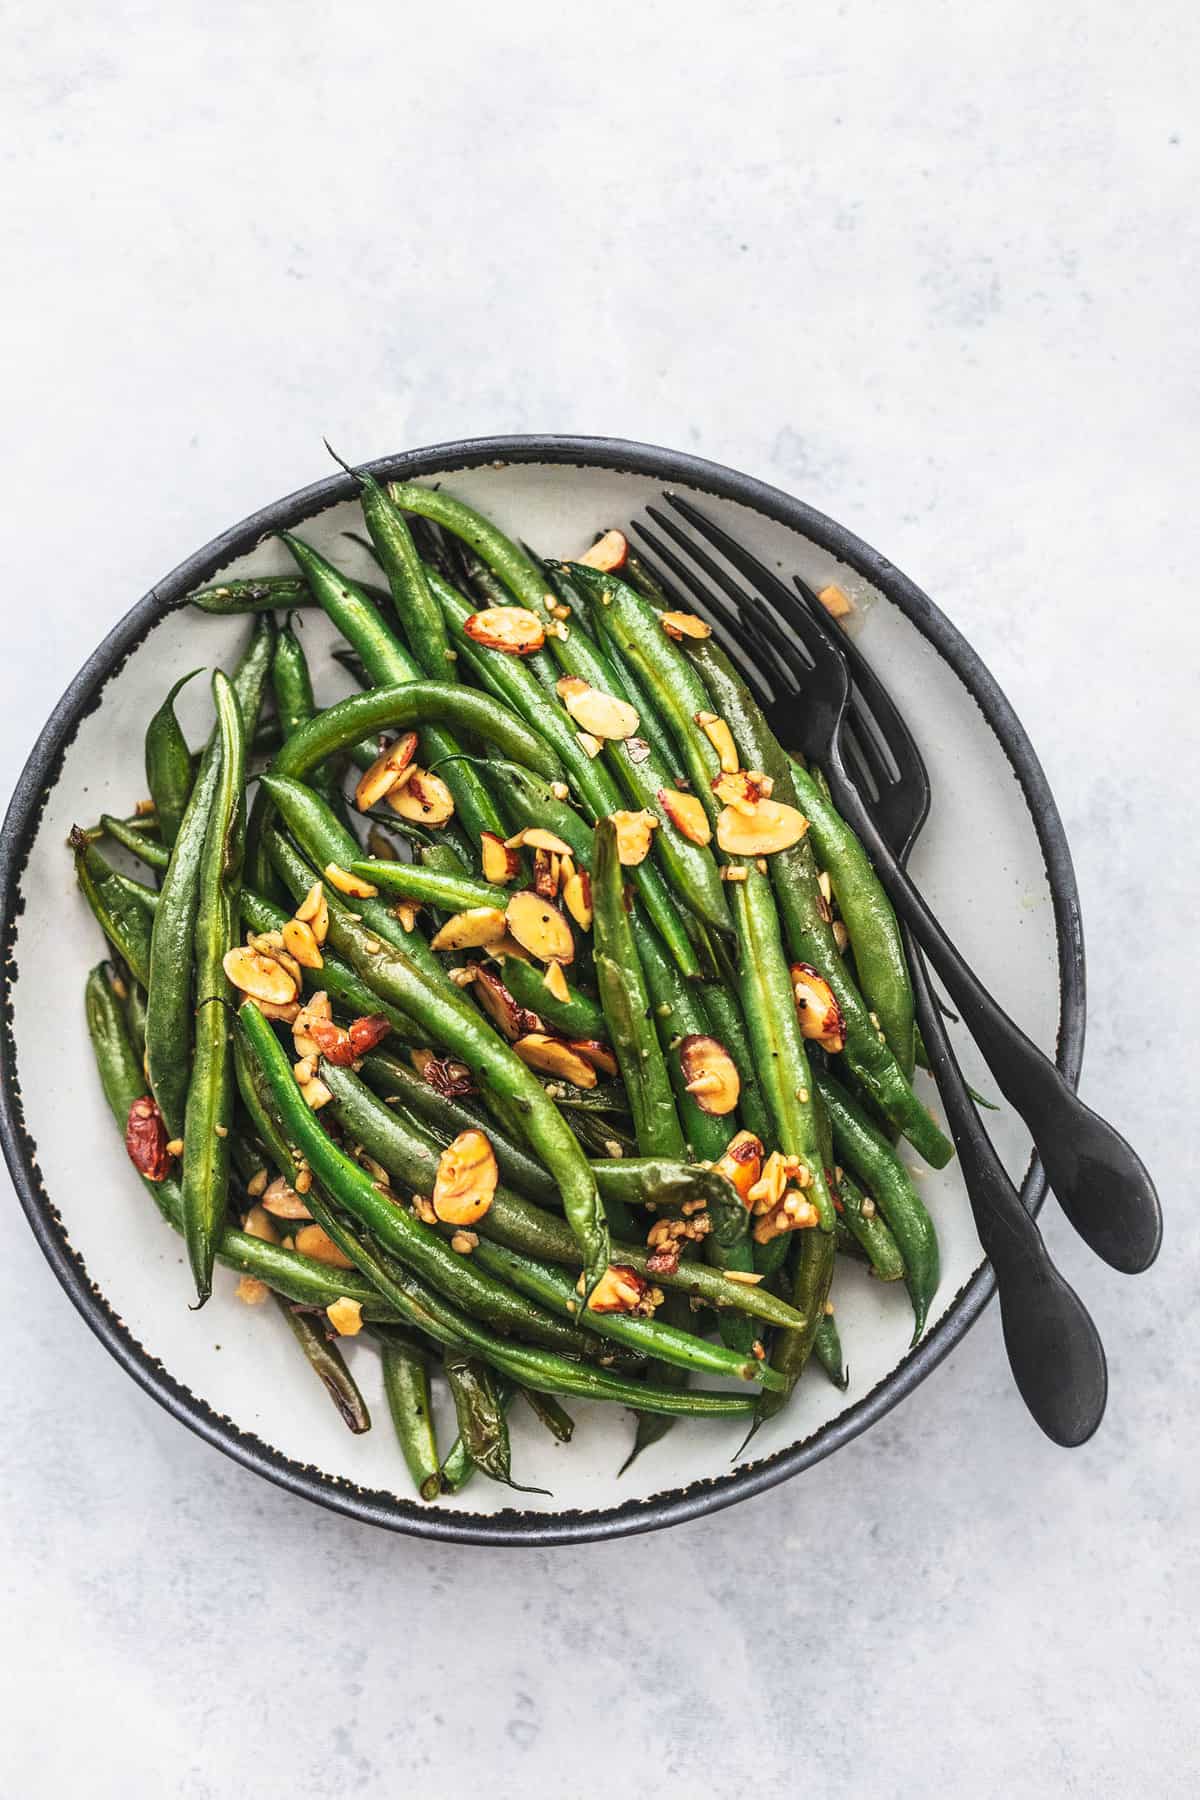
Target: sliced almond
pixel 591 744
pixel 553 1056
pixel 537 839
pixel 466 1179
pixel 686 814
pixel 619 1289
pixel 767 1191
pixel 835 600
pixel 510 628
pixel 302 944
pixel 710 1074
pixel 262 977
pixel 508 946
pixel 312 1240
pixel 424 798
pixel 608 553
pixel 314 911
pixel 633 836
pixel 771 826
pixel 684 625
pixel 817 1009
pixel 385 772
pixel 721 738
pixel 470 930
pixel 596 1053
pixel 345 1315
pixel 500 864
pixel 316 1094
pixel 743 788
pixel 555 982
pixel 600 714
pixel 256 1224
pixel 283 1202
pixel 539 927
pixel 346 883
pixel 577 898
pixel 741 1163
pixel 505 1012
pixel 405 912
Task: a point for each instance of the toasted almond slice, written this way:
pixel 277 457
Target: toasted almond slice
pixel 385 771
pixel 289 962
pixel 608 553
pixel 346 883
pixel 311 903
pixel 312 1241
pixel 262 977
pixel 505 1012
pixel 835 600
pixel 510 628
pixel 743 788
pixel 424 798
pixel 302 944
pixel 538 839
pixel 684 625
pixel 591 744
pixel 741 1163
pixel 466 1179
pixel 721 738
pixel 767 1191
pixel 596 1053
pixel 470 930
pixel 316 1094
pixel 710 1074
pixel 500 864
pixel 508 946
pixel 286 1013
pixel 577 898
pixel 633 836
pixel 345 1315
pixel 283 1202
pixel 817 1009
pixel 256 1224
pixel 686 815
pixel 555 982
pixel 554 1056
pixel 539 927
pixel 619 1289
pixel 600 714
pixel 771 826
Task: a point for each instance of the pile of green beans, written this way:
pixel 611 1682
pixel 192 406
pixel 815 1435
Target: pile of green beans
pixel 515 1087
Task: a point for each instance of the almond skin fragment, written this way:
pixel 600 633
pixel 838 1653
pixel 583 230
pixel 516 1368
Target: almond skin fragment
pixel 346 883
pixel 684 625
pixel 817 1009
pixel 554 1056
pixel 301 943
pixel 146 1140
pixel 500 864
pixel 345 1316
pixel 466 1179
pixel 545 874
pixel 608 553
pixel 385 772
pixel 577 898
pixel 453 1079
pixel 743 789
pixel 710 1074
pixel 771 826
pixel 424 798
pixel 539 927
pixel 741 1163
pixel 512 1019
pixel 510 628
pixel 602 715
pixel 721 738
pixel 470 930
pixel 253 972
pixel 686 815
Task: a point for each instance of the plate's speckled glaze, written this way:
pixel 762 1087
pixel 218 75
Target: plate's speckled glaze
pixel 993 860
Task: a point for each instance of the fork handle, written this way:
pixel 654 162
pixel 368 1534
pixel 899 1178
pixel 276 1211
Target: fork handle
pixel 1100 1182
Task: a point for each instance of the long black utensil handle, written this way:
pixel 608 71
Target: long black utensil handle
pixel 1100 1182
pixel 1054 1349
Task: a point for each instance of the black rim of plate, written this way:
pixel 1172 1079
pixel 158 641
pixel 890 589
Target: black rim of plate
pixel 20 828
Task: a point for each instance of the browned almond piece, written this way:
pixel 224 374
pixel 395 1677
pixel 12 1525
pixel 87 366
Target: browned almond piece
pixel 470 930
pixel 633 836
pixel 283 1202
pixel 555 982
pixel 607 553
pixel 684 625
pixel 554 1056
pixel 601 715
pixel 741 1163
pixel 539 927
pixel 346 883
pixel 743 788
pixel 710 1074
pixel 835 600
pixel 504 1011
pixel 424 798
pixel 510 628
pixel 345 1315
pixel 817 1009
pixel 385 772
pixel 500 864
pixel 577 898
pixel 312 1241
pixel 262 977
pixel 545 880
pixel 596 1053
pixel 721 738
pixel 771 826
pixel 619 1289
pixel 686 815
pixel 466 1179
pixel 767 1191
pixel 301 943
pixel 536 838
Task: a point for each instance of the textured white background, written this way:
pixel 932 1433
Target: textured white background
pixel 933 269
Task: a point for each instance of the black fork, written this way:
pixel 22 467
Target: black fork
pixel 1053 1346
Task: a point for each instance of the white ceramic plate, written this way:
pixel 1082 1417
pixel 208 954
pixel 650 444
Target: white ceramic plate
pixel 992 860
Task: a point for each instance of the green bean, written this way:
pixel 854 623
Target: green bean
pixel 827 1348
pixel 406 1384
pixel 653 1427
pixel 169 768
pixel 812 1273
pixel 530 800
pixel 209 1109
pixel 519 573
pixel 863 1146
pixel 458 1465
pixel 578 1016
pixel 120 915
pixel 626 1005
pixel 329 1366
pixel 295 704
pixel 417 610
pixel 169 1005
pixel 134 1004
pixel 259 593
pixel 138 843
pixel 479 1407
pixel 869 1230
pixel 555 1418
pixel 451 893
